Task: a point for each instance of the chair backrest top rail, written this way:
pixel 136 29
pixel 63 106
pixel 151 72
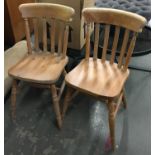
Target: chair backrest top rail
pixel 32 10
pixel 115 17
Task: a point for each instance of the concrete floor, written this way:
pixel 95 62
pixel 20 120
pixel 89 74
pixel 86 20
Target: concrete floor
pixel 85 129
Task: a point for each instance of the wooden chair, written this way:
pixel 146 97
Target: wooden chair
pixel 104 78
pixel 42 67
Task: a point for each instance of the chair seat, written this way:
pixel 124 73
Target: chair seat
pixel 97 78
pixel 39 67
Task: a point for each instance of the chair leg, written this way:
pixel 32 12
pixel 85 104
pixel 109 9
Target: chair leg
pixel 56 105
pixel 13 99
pixel 61 89
pixel 124 99
pixel 66 101
pixel 112 123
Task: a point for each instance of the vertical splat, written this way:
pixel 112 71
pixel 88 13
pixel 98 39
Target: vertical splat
pixel 65 41
pixel 44 35
pixel 36 42
pixel 52 35
pixel 97 27
pixel 123 48
pixel 105 44
pixel 115 43
pixel 130 50
pixel 87 41
pixel 27 30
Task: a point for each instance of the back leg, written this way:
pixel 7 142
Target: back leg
pixel 124 99
pixel 56 105
pixel 66 101
pixel 111 108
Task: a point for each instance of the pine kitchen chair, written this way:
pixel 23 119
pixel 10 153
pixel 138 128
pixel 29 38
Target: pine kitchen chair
pixel 102 77
pixel 42 67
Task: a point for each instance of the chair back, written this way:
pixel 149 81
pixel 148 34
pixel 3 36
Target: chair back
pixel 131 23
pixel 52 12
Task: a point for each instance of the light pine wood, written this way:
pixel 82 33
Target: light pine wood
pixel 27 30
pixel 94 78
pixel 56 105
pixel 13 99
pixel 61 89
pixel 60 40
pixel 36 42
pixel 44 35
pixel 102 78
pixel 118 103
pixel 48 10
pixel 41 69
pixel 115 16
pixel 124 99
pixel 105 44
pixel 112 123
pixel 53 24
pixel 66 101
pixel 65 41
pixel 87 41
pixel 38 67
pixel 123 48
pixel 130 50
pixel 116 37
pixel 96 42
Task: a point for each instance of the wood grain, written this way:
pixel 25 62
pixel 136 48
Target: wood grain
pixel 28 38
pixel 105 44
pixel 111 123
pixel 40 68
pixel 114 47
pixel 97 27
pixel 102 78
pixel 115 16
pixel 53 26
pixel 123 48
pixel 44 35
pixel 56 105
pixel 65 41
pixel 130 50
pixel 87 41
pixel 94 77
pixel 36 36
pixel 60 12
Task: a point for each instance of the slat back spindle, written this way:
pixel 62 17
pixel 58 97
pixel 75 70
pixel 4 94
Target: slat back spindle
pixel 44 35
pixel 115 43
pixel 87 27
pixel 105 44
pixel 123 48
pixel 130 50
pixel 121 20
pixel 36 36
pixel 96 43
pixel 65 41
pixel 60 39
pixel 28 38
pixel 52 34
pixel 48 13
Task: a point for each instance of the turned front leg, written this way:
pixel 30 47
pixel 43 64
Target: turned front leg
pixel 112 123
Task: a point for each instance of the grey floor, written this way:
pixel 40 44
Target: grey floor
pixel 85 128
